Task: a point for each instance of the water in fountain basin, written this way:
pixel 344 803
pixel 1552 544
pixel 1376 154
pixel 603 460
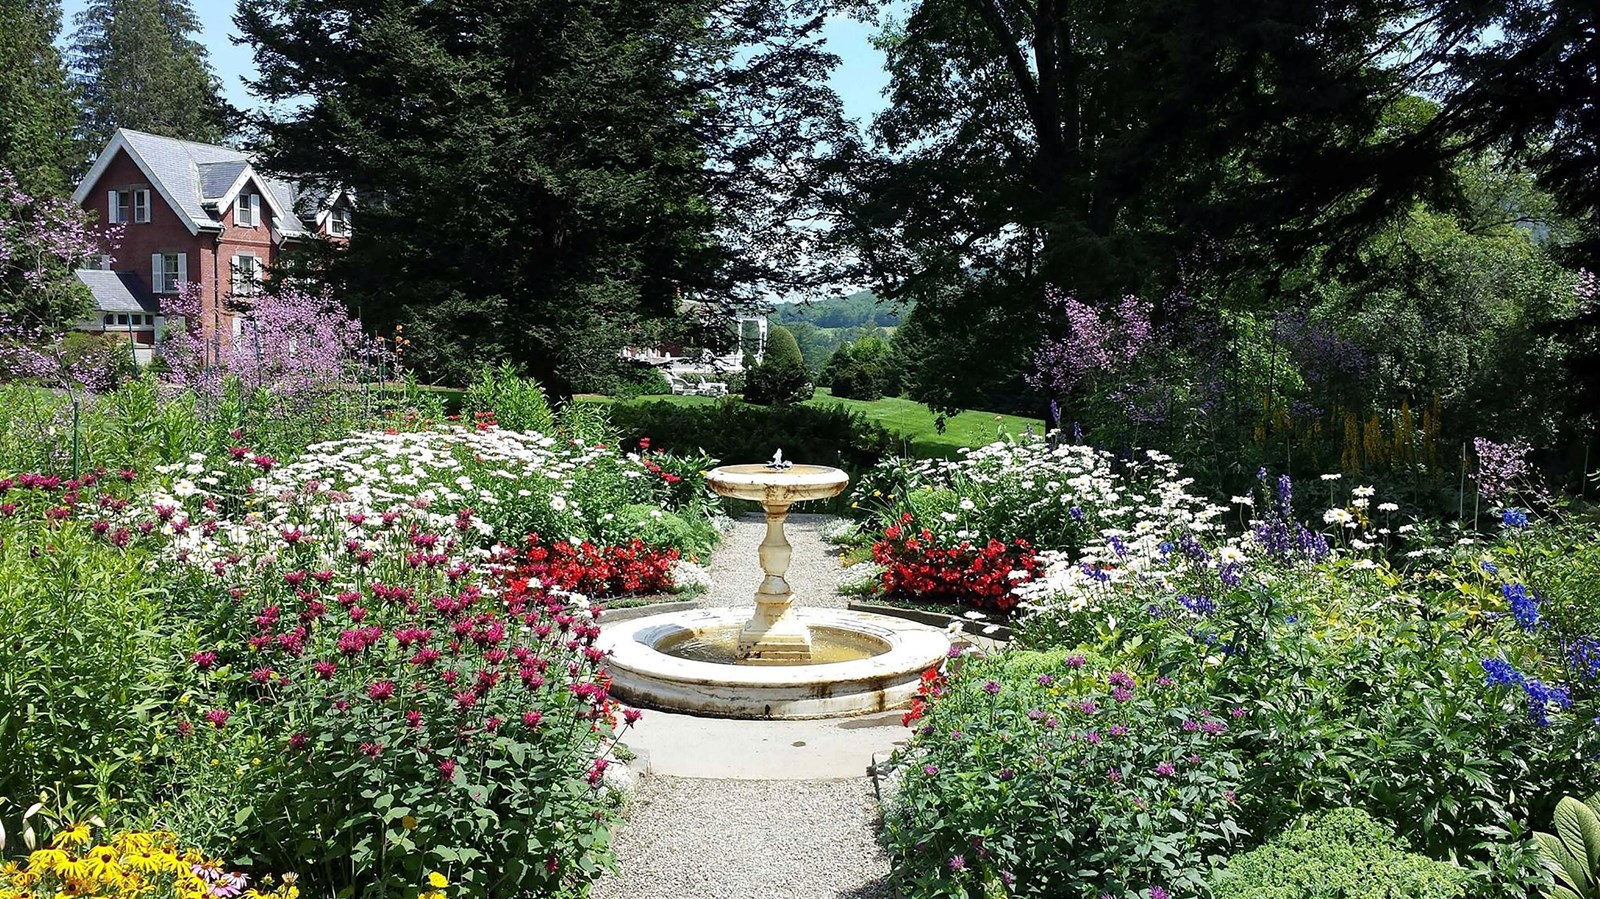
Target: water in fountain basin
pixel 720 645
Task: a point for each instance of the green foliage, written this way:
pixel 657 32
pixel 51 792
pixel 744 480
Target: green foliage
pixel 861 308
pixel 104 353
pixel 141 67
pixel 731 431
pixel 781 379
pixel 865 369
pixel 658 528
pixel 1572 853
pixel 38 109
pixel 502 395
pixel 1340 854
pixel 1001 785
pixel 86 653
pixel 618 157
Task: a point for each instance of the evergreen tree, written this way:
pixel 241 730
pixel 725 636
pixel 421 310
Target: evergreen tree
pixel 38 110
pixel 537 178
pixel 140 67
pixel 781 379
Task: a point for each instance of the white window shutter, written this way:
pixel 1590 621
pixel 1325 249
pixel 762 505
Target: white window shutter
pixel 158 282
pixel 183 269
pixel 255 209
pixel 111 206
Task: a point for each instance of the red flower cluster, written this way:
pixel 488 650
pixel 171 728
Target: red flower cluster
pixel 932 686
pixel 598 571
pixel 916 567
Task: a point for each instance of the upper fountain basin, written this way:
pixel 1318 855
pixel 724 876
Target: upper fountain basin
pixel 771 486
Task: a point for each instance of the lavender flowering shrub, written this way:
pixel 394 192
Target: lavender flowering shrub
pixel 1058 774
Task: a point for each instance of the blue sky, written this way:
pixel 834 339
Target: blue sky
pixel 859 79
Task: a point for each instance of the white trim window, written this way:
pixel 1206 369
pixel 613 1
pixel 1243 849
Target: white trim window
pixel 247 210
pixel 167 271
pixel 246 281
pixel 130 205
pixel 339 221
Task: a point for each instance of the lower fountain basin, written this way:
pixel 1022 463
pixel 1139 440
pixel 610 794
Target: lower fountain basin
pixel 890 656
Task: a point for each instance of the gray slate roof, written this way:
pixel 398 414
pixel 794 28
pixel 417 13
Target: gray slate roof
pixel 192 173
pixel 118 291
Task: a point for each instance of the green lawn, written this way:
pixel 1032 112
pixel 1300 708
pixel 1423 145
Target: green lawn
pixel 911 420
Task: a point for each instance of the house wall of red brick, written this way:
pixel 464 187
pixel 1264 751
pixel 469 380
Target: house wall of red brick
pixel 209 255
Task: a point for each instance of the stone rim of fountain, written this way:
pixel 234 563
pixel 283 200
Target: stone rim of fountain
pixel 642 675
pixel 773 675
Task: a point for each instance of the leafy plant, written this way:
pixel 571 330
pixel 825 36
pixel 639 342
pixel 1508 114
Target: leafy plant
pixel 1572 853
pixel 1058 774
pixel 509 399
pixel 1340 854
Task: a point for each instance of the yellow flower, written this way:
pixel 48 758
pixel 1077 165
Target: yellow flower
pixel 76 835
pixel 50 860
pixel 438 881
pixel 408 823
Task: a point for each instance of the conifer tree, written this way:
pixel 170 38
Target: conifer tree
pixel 38 108
pixel 140 67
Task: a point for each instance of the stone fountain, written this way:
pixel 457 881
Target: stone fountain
pixel 781 661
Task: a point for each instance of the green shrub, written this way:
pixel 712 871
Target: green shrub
pixel 1341 854
pixel 732 431
pixel 1054 774
pixel 515 402
pixel 87 646
pixel 103 354
pixel 659 529
pixel 782 378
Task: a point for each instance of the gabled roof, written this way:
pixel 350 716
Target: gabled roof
pixel 118 291
pixel 195 179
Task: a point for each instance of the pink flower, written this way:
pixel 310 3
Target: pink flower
pixel 218 717
pixel 381 690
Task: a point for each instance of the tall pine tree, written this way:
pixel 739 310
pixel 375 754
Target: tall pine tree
pixel 538 180
pixel 140 67
pixel 38 109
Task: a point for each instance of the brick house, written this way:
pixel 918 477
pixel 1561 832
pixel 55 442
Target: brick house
pixel 193 213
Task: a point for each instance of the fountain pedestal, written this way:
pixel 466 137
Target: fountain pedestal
pixel 774 635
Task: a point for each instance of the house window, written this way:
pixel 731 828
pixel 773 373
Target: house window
pixel 105 263
pixel 109 320
pixel 247 210
pixel 131 205
pixel 167 271
pixel 117 206
pixel 246 275
pixel 339 221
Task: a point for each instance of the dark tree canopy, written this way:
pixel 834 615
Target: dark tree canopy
pixel 139 66
pixel 535 179
pixel 38 109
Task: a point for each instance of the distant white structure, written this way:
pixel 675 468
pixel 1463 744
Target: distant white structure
pixel 699 371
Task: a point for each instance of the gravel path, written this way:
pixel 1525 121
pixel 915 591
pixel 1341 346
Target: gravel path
pixel 813 569
pixel 749 839
pixel 689 838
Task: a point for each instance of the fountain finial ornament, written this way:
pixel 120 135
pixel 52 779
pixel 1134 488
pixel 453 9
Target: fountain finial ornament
pixel 777 463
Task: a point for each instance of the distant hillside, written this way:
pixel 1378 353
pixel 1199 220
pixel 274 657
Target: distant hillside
pixel 854 311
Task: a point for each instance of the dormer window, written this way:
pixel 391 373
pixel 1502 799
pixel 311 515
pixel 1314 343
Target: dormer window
pixel 339 221
pixel 247 210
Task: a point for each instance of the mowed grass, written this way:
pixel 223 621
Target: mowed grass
pixel 916 426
